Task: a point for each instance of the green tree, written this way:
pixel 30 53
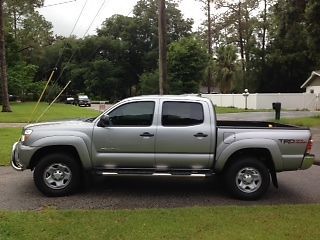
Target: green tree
pixel 149 83
pixel 18 11
pixel 137 39
pixel 288 62
pixel 313 29
pixel 21 80
pixel 146 18
pixel 226 67
pixel 187 60
pixel 239 20
pixel 27 29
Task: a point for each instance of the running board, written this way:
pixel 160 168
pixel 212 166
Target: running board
pixel 140 172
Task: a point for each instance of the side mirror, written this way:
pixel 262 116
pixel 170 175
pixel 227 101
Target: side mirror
pixel 104 121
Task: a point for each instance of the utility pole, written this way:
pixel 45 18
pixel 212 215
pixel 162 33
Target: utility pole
pixel 163 68
pixel 5 96
pixel 209 45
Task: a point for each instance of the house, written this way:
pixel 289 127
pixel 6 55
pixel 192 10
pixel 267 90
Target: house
pixel 312 85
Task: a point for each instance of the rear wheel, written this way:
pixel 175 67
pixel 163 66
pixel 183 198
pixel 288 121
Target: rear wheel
pixel 57 175
pixel 247 178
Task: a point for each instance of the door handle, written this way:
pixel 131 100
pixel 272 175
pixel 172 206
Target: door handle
pixel 198 135
pixel 147 134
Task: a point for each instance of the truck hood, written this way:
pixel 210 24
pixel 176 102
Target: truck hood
pixel 59 124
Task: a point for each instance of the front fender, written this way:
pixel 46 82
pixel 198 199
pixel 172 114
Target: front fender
pixel 268 144
pixel 77 142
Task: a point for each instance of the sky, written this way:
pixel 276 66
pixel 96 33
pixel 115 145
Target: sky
pixel 64 16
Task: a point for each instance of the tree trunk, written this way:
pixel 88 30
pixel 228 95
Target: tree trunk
pixel 15 23
pixel 5 95
pixel 241 45
pixel 163 85
pixel 264 33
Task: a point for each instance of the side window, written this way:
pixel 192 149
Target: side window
pixel 133 114
pixel 181 114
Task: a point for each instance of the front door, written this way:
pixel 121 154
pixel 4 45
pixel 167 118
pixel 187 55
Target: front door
pixel 129 140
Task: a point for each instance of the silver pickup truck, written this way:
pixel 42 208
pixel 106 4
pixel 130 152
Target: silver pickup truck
pixel 162 136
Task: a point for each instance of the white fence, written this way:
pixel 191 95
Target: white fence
pixel 290 101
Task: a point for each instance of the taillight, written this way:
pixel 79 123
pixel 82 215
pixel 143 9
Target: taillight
pixel 309 146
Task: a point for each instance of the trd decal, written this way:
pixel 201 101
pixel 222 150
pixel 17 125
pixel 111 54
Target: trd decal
pixel 293 141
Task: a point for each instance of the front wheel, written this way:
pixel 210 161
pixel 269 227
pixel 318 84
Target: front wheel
pixel 57 175
pixel 247 178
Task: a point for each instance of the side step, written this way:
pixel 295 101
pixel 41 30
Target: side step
pixel 147 172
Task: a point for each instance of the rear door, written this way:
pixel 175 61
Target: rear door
pixel 183 136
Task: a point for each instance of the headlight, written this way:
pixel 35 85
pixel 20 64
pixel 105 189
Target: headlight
pixel 25 135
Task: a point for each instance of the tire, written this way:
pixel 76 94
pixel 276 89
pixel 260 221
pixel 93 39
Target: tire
pixel 247 178
pixel 57 175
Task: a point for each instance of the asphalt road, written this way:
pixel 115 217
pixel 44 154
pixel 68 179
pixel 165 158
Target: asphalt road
pixel 19 193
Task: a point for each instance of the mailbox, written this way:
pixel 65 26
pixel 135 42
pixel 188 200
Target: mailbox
pixel 277 108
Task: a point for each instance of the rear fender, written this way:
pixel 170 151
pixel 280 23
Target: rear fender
pixel 232 148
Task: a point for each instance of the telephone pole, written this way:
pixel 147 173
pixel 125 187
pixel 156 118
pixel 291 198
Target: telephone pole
pixel 163 68
pixel 4 77
pixel 209 85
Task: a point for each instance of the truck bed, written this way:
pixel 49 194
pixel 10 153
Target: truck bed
pixel 253 124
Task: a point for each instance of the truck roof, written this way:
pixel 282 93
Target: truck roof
pixel 169 97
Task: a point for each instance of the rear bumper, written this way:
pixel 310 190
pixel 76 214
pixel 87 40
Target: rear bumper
pixel 307 162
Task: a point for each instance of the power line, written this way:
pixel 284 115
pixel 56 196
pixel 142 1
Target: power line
pixel 55 4
pixel 99 10
pixel 83 7
pixel 74 26
pixel 74 52
pixel 131 11
pixel 64 47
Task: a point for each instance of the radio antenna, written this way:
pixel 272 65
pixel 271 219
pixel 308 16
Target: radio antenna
pixel 53 102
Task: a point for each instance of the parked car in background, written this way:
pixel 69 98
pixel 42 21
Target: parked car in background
pixel 13 98
pixel 83 100
pixel 69 100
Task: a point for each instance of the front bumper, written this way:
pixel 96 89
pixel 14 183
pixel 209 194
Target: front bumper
pixel 15 162
pixel 21 156
pixel 307 161
pixel 84 104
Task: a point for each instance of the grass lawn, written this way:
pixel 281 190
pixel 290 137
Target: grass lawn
pixel 8 136
pixel 263 222
pixel 305 122
pixel 21 112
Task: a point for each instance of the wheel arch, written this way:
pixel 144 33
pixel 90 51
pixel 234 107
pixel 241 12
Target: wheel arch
pixel 65 149
pixel 260 154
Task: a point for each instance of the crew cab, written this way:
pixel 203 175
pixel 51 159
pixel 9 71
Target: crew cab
pixel 162 136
